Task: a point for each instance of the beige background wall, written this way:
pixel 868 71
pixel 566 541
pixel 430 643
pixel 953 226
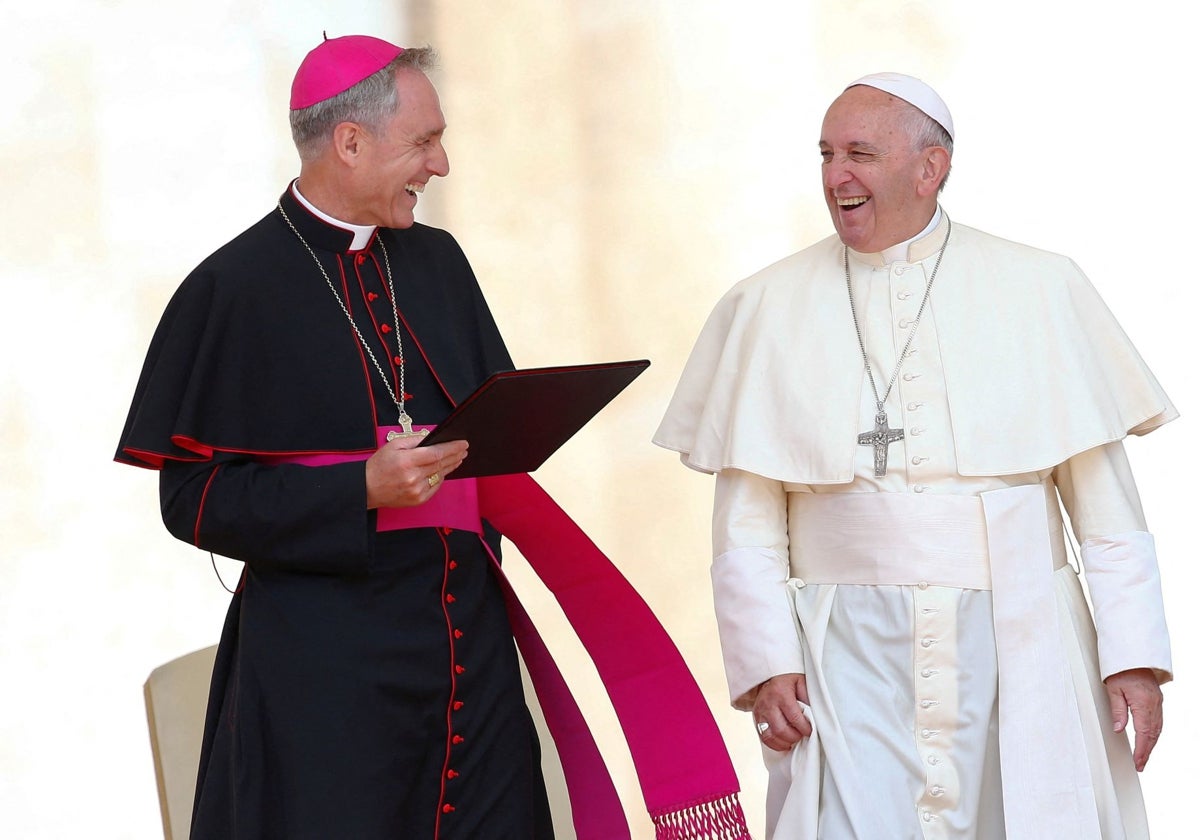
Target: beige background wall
pixel 616 166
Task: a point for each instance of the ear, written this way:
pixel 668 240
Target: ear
pixel 348 139
pixel 934 166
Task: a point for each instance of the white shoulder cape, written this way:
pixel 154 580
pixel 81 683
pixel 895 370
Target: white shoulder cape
pixel 1037 368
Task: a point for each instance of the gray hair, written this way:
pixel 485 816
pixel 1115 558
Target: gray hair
pixel 371 102
pixel 924 131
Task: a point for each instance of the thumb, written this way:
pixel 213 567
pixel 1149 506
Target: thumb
pixel 1119 707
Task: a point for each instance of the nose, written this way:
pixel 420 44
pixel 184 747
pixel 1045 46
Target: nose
pixel 439 163
pixel 835 173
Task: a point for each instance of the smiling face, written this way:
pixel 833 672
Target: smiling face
pixel 879 190
pixel 394 163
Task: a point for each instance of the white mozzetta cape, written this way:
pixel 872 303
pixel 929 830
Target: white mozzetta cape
pixel 774 382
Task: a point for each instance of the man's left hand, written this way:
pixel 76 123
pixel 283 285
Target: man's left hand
pixel 1136 691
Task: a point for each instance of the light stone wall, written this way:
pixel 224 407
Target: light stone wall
pixel 615 167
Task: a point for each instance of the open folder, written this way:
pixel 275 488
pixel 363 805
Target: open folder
pixel 515 420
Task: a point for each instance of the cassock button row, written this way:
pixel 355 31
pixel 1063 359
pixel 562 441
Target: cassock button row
pixel 450 599
pixel 927 643
pixel 451 774
pixel 447 808
pixel 905 295
pixel 458 669
pixel 458 704
pixel 371 297
pixel 937 790
pixel 396 360
pixel 928 672
pixel 457 739
pixel 919 459
pixel 385 329
pixel 933 761
pixel 458 634
pixel 453 564
pixel 913 406
pixel 923 585
pixel 909 377
pixel 360 259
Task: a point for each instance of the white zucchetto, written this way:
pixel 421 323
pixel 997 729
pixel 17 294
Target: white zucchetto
pixel 913 91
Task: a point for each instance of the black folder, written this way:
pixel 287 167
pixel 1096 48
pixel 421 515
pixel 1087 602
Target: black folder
pixel 515 420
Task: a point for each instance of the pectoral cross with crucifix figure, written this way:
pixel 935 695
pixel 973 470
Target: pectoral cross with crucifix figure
pixel 881 437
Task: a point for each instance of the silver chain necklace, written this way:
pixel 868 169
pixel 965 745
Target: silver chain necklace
pixel 404 421
pixel 881 437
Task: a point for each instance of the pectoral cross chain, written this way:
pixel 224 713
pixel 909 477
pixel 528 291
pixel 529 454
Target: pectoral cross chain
pixel 881 437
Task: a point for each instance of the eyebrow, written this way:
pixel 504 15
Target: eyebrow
pixel 429 135
pixel 854 146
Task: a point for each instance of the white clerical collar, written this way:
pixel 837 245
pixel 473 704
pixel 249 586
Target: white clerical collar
pixel 899 252
pixel 362 233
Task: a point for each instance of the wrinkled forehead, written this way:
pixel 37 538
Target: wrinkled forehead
pixel 864 114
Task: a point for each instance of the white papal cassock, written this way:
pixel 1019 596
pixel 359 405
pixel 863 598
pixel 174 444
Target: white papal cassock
pixel 952 665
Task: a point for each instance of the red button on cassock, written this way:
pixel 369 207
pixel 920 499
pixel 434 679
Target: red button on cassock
pixel 450 599
pixel 458 704
pixel 457 739
pixel 385 329
pixel 447 808
pixel 451 774
pixel 458 669
pixel 458 634
pixel 371 297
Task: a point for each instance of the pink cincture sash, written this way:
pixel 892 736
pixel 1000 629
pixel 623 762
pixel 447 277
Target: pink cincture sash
pixel 688 784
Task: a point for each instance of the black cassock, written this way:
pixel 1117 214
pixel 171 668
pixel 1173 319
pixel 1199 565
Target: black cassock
pixel 366 685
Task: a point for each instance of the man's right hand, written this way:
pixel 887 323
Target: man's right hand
pixel 778 706
pixel 401 475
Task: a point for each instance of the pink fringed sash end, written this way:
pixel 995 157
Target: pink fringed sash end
pixel 718 819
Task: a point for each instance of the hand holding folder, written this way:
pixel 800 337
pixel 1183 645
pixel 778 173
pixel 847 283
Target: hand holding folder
pixel 515 420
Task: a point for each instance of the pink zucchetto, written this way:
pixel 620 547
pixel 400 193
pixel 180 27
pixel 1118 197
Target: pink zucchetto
pixel 338 64
pixel 913 91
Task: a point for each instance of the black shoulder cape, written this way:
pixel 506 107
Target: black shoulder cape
pixel 252 352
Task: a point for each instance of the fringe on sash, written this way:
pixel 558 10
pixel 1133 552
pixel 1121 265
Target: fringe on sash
pixel 719 819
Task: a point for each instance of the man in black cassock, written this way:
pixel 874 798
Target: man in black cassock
pixel 366 685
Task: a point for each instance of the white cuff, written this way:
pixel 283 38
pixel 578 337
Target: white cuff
pixel 1123 581
pixel 759 638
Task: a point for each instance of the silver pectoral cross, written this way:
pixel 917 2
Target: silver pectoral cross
pixel 881 437
pixel 406 428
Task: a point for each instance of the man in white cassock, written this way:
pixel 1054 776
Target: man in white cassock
pixel 893 416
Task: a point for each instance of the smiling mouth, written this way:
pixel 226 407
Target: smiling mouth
pixel 413 189
pixel 852 202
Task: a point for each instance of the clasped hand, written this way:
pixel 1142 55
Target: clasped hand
pixel 778 705
pixel 401 475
